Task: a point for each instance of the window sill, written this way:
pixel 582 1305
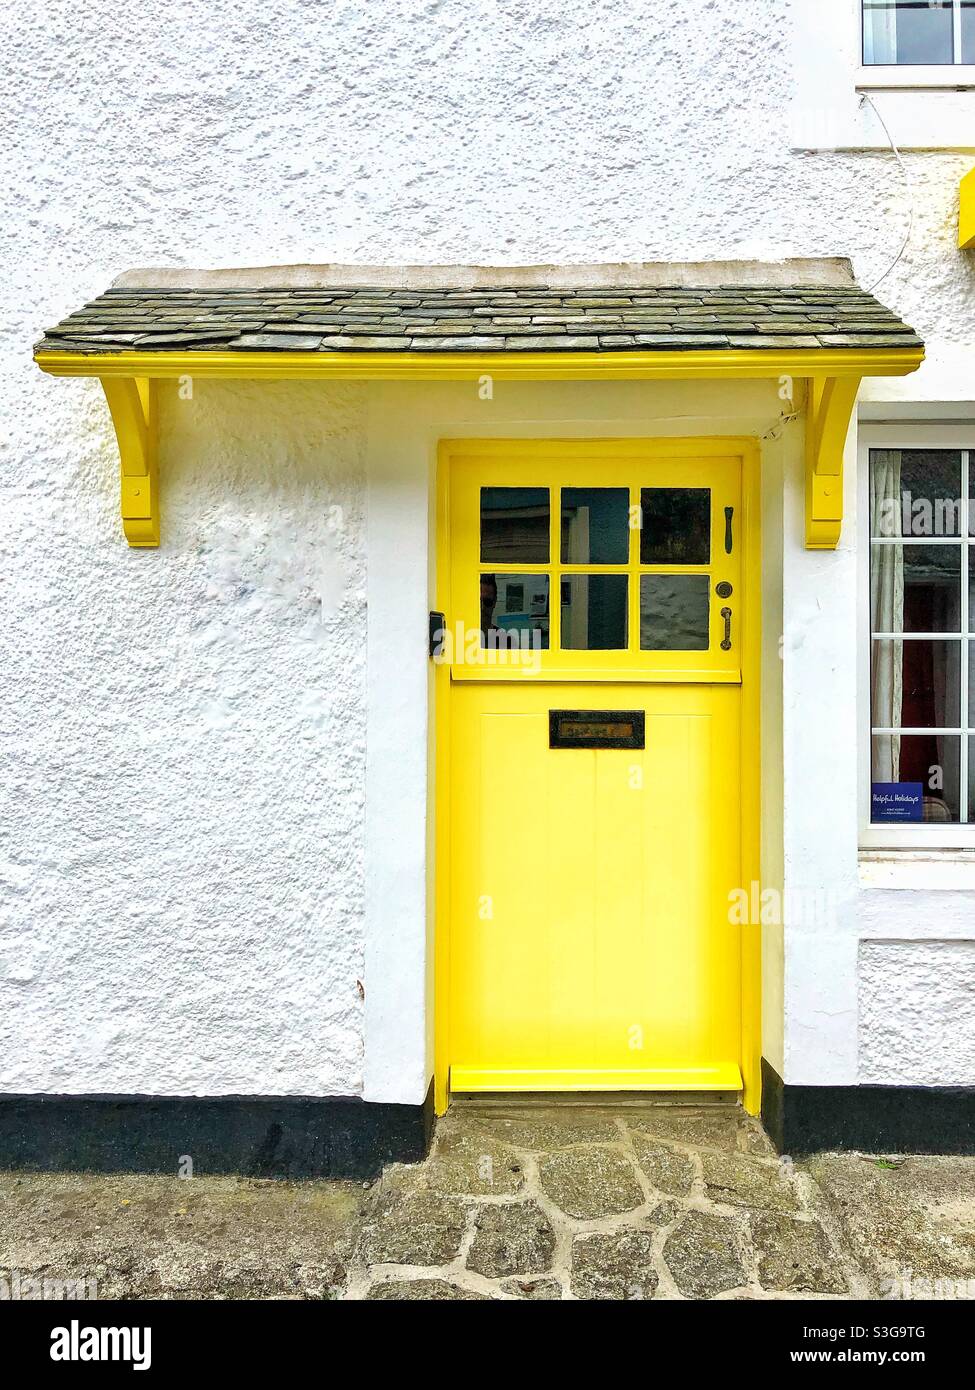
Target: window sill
pixel 925 870
pixel 958 77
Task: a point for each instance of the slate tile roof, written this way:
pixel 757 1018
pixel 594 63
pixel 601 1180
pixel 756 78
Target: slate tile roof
pixel 517 319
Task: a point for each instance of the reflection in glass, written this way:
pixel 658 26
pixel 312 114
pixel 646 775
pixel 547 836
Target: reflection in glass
pixel 514 611
pixel 515 525
pixel 968 31
pixel 675 526
pixel 594 614
pixel 929 763
pixel 674 612
pixel 907 31
pixel 595 525
pixel 915 492
pixel 915 588
pixel 915 684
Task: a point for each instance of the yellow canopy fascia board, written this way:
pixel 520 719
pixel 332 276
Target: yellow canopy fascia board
pixel 833 374
pixel 966 211
pixel 752 363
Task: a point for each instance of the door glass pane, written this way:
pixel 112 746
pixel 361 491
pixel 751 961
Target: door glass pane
pixel 514 610
pixel 968 31
pixel 916 684
pixel 595 525
pixel 915 778
pixel 915 492
pixel 675 526
pixel 594 612
pixel 907 31
pixel 674 612
pixel 915 588
pixel 515 525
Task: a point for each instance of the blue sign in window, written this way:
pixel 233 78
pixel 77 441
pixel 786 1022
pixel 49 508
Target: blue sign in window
pixel 896 801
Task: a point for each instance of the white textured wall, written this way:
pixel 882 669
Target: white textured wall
pixel 180 831
pixel 917 1001
pixel 183 746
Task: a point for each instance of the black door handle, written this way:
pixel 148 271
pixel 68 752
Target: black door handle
pixel 729 513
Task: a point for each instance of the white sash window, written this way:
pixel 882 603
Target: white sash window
pixel 918 674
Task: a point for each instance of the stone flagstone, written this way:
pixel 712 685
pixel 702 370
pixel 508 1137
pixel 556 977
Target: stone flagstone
pixel 794 1256
pixel 702 1256
pixel 669 1170
pixel 590 1182
pixel 514 1238
pixel 739 1181
pixel 614 1266
pixel 421 1228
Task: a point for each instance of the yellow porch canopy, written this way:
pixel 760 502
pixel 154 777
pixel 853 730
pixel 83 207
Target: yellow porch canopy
pixel 803 319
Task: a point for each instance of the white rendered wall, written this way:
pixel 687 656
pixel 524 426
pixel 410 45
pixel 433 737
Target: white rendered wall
pixel 183 904
pixel 184 751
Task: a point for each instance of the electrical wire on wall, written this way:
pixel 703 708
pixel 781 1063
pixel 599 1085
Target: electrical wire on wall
pixel 787 417
pixel 867 100
pixel 778 429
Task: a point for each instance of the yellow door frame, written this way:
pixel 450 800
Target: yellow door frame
pixel 748 451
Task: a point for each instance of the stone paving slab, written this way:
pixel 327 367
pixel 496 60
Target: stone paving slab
pixel 526 1203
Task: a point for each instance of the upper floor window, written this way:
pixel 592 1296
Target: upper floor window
pixel 916 33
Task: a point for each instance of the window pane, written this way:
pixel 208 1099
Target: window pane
pixel 675 526
pixel 915 778
pixel 595 525
pixel 594 612
pixel 674 612
pixel 514 607
pixel 907 31
pixel 915 588
pixel 968 31
pixel 915 684
pixel 915 492
pixel 515 525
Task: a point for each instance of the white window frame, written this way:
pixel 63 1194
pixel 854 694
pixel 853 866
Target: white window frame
pixel 917 76
pixel 935 836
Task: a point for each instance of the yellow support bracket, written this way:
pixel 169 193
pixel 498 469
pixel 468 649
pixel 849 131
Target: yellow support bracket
pixel 966 211
pixel 829 407
pixel 132 402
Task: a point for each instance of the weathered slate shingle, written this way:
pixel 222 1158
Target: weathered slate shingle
pixel 536 318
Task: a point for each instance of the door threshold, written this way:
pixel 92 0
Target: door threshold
pixel 590 1100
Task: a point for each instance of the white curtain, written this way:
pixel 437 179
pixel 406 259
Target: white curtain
pixel 887 611
pixel 879 33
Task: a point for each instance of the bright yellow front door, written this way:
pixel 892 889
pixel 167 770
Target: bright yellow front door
pixel 593 781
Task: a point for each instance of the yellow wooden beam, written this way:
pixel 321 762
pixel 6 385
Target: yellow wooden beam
pixel 829 408
pixel 132 402
pixel 751 363
pixel 129 378
pixel 966 211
